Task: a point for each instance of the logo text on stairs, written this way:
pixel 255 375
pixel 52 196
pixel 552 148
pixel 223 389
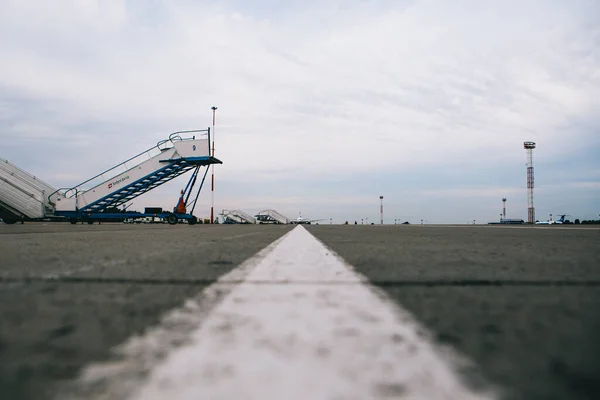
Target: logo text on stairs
pixel 124 178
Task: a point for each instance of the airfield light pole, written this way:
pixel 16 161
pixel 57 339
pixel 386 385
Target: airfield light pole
pixel 381 210
pixel 212 190
pixel 529 146
pixel 503 208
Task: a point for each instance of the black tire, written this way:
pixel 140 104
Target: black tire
pixel 73 221
pixel 90 221
pixel 193 221
pixel 9 221
pixel 172 219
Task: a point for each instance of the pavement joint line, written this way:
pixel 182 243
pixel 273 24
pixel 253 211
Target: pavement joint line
pixel 240 236
pixel 315 341
pixel 57 278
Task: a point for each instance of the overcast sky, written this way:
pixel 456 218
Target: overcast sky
pixel 323 106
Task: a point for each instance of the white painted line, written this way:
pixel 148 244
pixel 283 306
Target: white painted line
pixel 135 358
pixel 307 341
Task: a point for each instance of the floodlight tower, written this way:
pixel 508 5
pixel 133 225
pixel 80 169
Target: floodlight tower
pixel 381 209
pixel 212 190
pixel 504 208
pixel 529 146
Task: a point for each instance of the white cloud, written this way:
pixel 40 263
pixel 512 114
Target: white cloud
pixel 318 89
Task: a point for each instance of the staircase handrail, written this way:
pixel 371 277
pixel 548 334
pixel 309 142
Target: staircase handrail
pixel 56 191
pixel 175 136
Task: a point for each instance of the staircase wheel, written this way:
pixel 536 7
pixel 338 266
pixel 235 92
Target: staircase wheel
pixel 90 221
pixel 172 219
pixel 73 221
pixel 193 221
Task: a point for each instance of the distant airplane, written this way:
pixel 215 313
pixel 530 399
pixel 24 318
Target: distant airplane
pixel 301 220
pixel 551 222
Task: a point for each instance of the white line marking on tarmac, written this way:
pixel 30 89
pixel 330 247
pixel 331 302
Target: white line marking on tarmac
pixel 310 342
pixel 133 359
pixel 303 342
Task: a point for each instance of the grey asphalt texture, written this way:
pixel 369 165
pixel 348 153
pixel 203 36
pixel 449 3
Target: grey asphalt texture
pixel 522 302
pixel 69 293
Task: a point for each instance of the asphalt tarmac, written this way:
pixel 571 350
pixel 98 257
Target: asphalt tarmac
pixel 521 302
pixel 70 293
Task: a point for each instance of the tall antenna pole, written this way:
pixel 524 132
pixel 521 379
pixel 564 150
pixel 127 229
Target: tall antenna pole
pixel 212 201
pixel 381 209
pixel 504 208
pixel 529 146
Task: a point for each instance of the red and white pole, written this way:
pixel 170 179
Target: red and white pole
pixel 212 202
pixel 529 146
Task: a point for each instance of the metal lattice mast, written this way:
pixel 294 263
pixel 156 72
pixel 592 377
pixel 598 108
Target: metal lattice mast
pixel 529 146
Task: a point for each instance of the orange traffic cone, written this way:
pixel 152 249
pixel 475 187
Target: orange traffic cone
pixel 181 205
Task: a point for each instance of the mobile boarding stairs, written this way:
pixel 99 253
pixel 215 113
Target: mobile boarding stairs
pixel 94 199
pixel 271 217
pixel 237 217
pixel 181 152
pixel 22 195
